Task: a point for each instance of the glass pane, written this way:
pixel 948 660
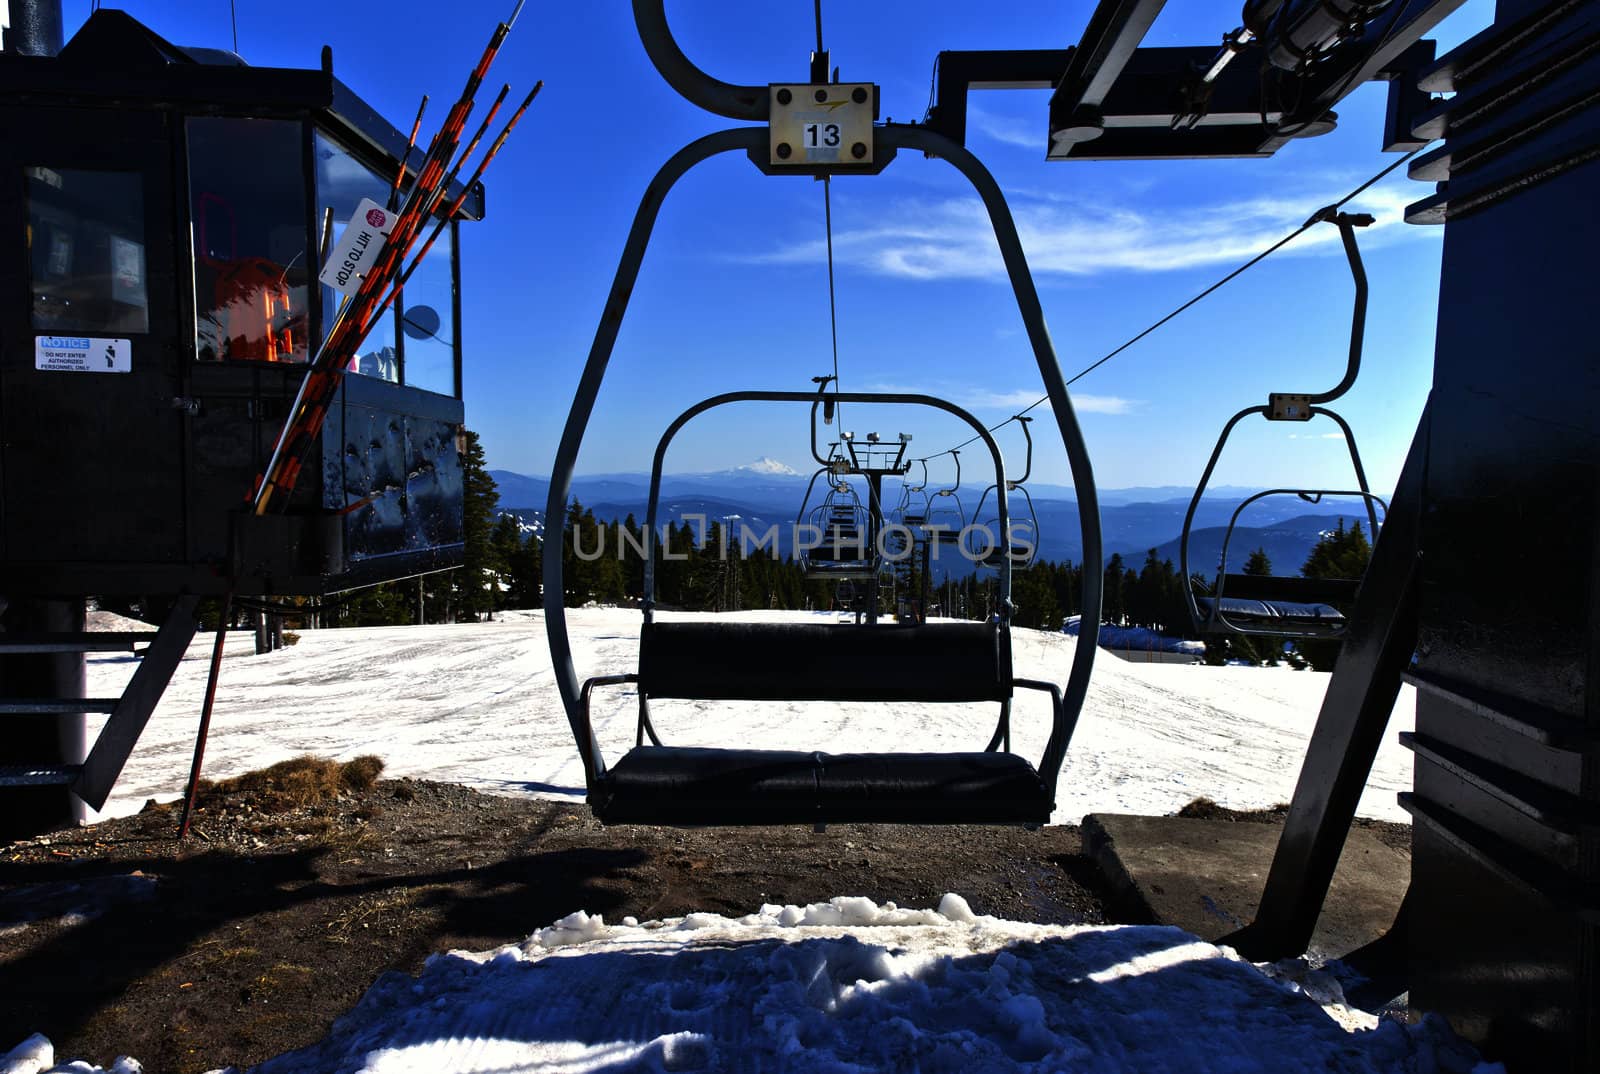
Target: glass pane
pixel 248 219
pixel 430 351
pixel 85 244
pixel 342 181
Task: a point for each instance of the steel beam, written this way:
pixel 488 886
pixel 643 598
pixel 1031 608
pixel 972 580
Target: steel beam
pixel 1109 41
pixel 1355 711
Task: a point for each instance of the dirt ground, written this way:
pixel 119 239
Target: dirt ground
pixel 251 936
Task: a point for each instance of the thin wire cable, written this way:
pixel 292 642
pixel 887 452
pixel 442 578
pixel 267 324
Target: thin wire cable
pixel 833 316
pixel 1313 220
pixel 233 12
pixel 827 221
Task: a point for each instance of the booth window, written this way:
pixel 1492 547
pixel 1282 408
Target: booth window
pixel 342 181
pixel 247 205
pixel 427 303
pixel 423 353
pixel 86 254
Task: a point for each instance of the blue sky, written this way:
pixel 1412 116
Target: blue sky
pixel 734 289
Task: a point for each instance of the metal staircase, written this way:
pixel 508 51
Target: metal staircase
pixel 161 651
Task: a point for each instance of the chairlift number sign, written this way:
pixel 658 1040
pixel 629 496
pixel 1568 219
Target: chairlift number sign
pixel 828 124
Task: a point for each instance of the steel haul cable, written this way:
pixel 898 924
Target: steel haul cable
pixel 1315 218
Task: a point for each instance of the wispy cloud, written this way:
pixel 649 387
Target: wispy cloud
pixel 952 238
pixel 974 398
pixel 1316 436
pixel 1010 130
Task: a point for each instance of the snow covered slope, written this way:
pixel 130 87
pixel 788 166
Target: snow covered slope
pixel 476 704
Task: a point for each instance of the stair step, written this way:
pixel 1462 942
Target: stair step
pixel 91 641
pixel 38 775
pixel 50 706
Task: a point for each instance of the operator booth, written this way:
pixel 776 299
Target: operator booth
pixel 167 214
pixel 170 208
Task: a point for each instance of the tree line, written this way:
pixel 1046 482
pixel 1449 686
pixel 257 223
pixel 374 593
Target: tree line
pixel 709 570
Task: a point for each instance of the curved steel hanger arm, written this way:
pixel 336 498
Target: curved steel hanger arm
pixel 1347 224
pixel 697 87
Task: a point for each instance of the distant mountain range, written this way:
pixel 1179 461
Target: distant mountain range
pixel 1133 520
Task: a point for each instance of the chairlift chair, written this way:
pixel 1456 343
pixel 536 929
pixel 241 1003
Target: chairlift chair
pixel 1283 606
pixel 946 520
pixel 1000 546
pixel 843 527
pixel 756 661
pixel 912 511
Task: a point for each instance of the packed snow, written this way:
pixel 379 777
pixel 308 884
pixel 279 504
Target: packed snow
pixel 848 985
pixel 476 704
pixel 845 985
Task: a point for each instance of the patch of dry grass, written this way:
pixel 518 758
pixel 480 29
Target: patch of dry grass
pixel 302 781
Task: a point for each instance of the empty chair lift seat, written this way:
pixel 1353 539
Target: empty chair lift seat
pixel 962 662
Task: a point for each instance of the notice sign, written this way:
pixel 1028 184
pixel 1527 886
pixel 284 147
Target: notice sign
pixel 82 354
pixel 358 247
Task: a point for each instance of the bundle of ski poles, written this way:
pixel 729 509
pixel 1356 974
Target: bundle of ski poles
pixel 378 284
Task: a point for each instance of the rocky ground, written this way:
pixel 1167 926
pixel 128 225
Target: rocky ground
pixel 298 886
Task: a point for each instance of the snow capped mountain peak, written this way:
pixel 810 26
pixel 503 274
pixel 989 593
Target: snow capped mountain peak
pixel 767 465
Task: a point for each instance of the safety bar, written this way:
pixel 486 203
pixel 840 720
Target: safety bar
pixel 892 398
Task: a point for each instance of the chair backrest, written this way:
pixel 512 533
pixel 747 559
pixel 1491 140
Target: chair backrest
pixel 825 662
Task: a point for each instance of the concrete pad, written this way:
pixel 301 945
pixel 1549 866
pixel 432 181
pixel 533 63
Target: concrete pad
pixel 1206 876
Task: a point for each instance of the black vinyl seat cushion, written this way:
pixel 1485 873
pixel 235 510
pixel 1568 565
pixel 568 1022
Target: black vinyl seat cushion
pixel 722 660
pixel 694 786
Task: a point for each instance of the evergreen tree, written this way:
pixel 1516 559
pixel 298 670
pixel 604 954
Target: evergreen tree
pixel 1035 599
pixel 1340 554
pixel 1344 553
pixel 1258 565
pixel 473 582
pixel 1114 605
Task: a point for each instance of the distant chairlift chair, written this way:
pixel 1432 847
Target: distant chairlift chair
pixel 1285 606
pixel 843 527
pixel 1003 545
pixel 946 520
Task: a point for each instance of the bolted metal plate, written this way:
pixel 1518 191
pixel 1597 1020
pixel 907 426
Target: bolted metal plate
pixel 822 124
pixel 1284 406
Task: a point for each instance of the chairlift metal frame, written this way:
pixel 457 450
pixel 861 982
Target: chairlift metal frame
pixel 745 787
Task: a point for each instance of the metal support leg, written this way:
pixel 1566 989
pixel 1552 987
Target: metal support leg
pixel 1355 712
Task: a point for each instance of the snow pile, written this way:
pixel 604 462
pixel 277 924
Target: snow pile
pixel 1139 639
pixel 37 1055
pixel 848 985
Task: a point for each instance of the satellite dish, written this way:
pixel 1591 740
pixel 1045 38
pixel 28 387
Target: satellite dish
pixel 420 322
